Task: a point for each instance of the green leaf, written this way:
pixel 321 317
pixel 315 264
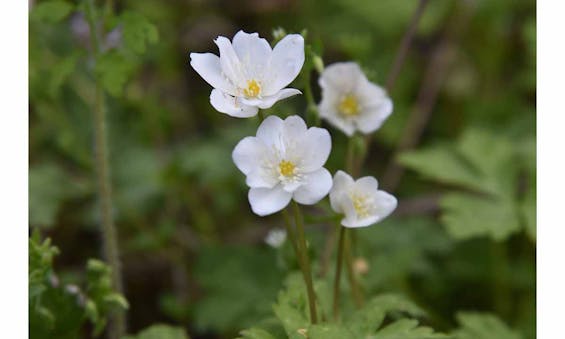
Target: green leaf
pixel 528 212
pixel 482 326
pixel 51 11
pixel 367 320
pixel 442 164
pixel 255 333
pixel 60 72
pixel 407 329
pixel 466 216
pixel 160 331
pixel 138 32
pixel 49 186
pixel 328 331
pixel 114 70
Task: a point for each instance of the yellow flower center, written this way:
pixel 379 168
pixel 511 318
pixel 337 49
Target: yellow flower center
pixel 349 106
pixel 360 205
pixel 286 168
pixel 253 89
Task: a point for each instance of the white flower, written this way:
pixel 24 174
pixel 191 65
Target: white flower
pixel 284 161
pixel 350 102
pixel 250 75
pixel 361 201
pixel 276 237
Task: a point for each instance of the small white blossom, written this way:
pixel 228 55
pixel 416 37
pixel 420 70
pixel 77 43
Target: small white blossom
pixel 283 162
pixel 350 102
pixel 361 201
pixel 276 237
pixel 248 74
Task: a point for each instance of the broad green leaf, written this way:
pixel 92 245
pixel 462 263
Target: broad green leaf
pixel 482 326
pixel 114 70
pixel 138 32
pixel 51 11
pixel 160 331
pixel 442 164
pixel 407 329
pixel 255 333
pixel 466 216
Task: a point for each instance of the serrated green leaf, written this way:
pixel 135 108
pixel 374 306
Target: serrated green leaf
pixel 482 326
pixel 407 329
pixel 160 331
pixel 113 70
pixel 328 331
pixel 466 216
pixel 51 11
pixel 364 322
pixel 138 32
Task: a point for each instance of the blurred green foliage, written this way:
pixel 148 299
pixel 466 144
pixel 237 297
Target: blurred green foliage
pixel 461 262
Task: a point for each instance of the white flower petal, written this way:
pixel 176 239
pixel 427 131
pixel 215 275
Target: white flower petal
pixel 341 76
pixel 367 185
pixel 260 177
pixel 247 153
pixel 269 101
pixel 265 201
pixel 347 126
pixel 374 117
pixel 286 62
pixel 270 131
pixel 317 185
pixel 230 105
pixel 293 131
pixel 231 65
pixel 341 184
pixel 315 148
pixel 253 52
pixel 207 65
pixel 386 204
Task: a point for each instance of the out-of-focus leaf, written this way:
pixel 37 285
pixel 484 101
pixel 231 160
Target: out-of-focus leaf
pixel 255 333
pixel 138 32
pixel 114 70
pixel 482 326
pixel 407 329
pixel 528 211
pixel 49 186
pixel 160 331
pixel 328 331
pixel 51 11
pixel 466 216
pixel 441 164
pixel 239 285
pixel 60 72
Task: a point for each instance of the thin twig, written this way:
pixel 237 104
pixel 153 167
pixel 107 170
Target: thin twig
pixel 442 57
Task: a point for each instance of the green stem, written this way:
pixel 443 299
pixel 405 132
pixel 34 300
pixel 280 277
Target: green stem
pixel 355 290
pixel 339 260
pixel 117 326
pixel 350 156
pixel 292 236
pixel 306 271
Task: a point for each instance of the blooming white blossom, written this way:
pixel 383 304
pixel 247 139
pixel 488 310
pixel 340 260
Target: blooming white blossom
pixel 361 201
pixel 276 237
pixel 350 102
pixel 248 74
pixel 283 162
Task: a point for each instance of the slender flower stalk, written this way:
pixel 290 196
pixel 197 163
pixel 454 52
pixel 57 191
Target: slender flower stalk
pixel 117 326
pixel 355 289
pixel 339 260
pixel 306 271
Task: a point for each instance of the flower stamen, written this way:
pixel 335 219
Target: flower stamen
pixel 287 168
pixel 253 89
pixel 348 106
pixel 362 207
